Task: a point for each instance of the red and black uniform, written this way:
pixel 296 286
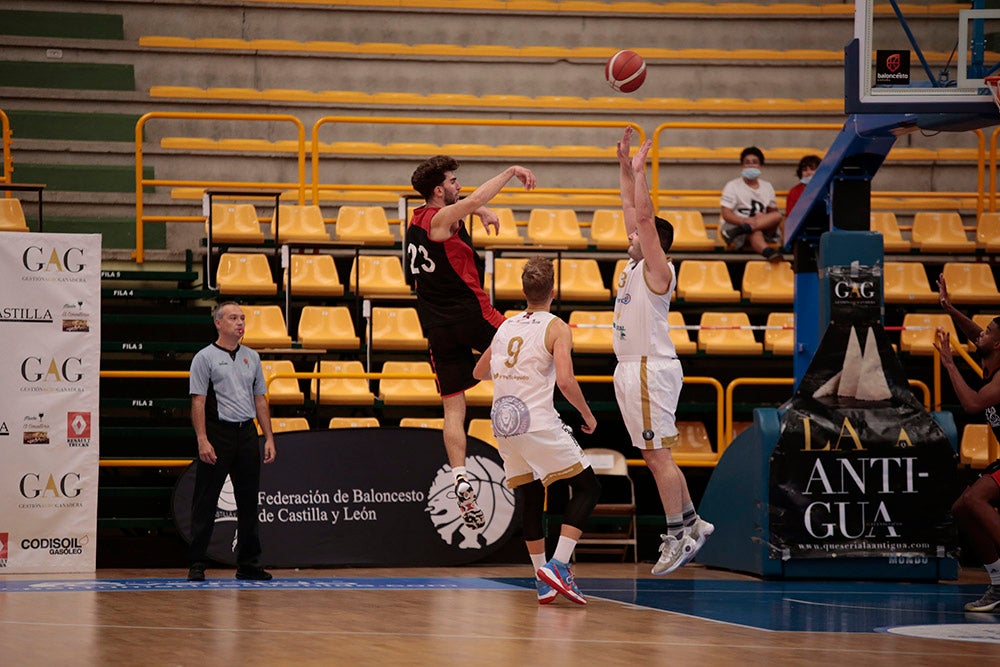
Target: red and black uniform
pixel 455 312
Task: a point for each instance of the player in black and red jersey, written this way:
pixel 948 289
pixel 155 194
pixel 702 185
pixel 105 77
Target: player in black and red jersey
pixel 455 313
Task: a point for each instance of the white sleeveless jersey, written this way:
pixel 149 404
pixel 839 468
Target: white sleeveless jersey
pixel 640 325
pixel 524 374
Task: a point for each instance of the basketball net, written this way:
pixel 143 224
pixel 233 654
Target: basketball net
pixel 993 82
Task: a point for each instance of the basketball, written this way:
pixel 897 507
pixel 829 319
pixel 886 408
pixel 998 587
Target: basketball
pixel 625 71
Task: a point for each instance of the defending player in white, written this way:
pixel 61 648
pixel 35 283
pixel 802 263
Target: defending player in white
pixel 649 377
pixel 530 353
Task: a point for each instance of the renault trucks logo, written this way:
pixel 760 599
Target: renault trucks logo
pixel 78 429
pixel 3 549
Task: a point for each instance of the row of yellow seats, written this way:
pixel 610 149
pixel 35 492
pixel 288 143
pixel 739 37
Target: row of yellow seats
pixel 311 275
pixel 12 215
pixel 239 223
pixel 968 283
pixel 333 328
pixel 934 232
pixel 917 336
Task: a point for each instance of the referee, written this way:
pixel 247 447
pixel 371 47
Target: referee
pixel 227 392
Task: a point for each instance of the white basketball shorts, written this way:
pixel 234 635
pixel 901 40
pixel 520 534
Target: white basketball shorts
pixel 548 455
pixel 647 391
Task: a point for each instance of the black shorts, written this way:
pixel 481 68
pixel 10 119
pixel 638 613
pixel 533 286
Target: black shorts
pixel 451 353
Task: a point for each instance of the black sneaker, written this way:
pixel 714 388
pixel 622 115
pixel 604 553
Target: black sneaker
pixel 196 572
pixel 253 574
pixel 770 254
pixel 730 233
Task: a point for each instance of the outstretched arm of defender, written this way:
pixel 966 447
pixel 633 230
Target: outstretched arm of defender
pixel 962 321
pixel 658 271
pixel 971 400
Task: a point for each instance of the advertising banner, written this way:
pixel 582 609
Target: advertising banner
pixel 363 497
pixel 861 469
pixel 50 319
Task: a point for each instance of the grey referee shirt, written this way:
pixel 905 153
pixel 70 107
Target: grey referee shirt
pixel 229 381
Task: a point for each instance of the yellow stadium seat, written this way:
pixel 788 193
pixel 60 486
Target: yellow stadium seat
pixel 12 216
pixel 507 278
pixel 940 232
pixel 418 422
pixel 885 223
pixel 244 273
pixel 984 319
pixel 979 446
pixel 265 327
pixel 680 336
pixel 705 280
pixel 607 230
pixel 693 444
pixel 970 283
pixel 988 232
pixel 315 275
pixel 508 234
pixel 917 336
pixel 408 391
pixel 283 391
pixel 286 424
pixel 303 224
pixel 363 224
pixel 381 275
pixel 481 394
pixel 397 329
pixel 780 341
pixel 580 280
pixel 482 429
pixel 906 282
pixel 353 422
pixel 555 227
pixel 341 391
pixel 728 339
pixel 235 223
pixel 617 280
pixel 768 282
pixel 591 330
pixel 690 234
pixel 328 328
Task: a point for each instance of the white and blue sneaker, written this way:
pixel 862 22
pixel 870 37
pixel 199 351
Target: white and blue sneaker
pixel 674 552
pixel 699 532
pixel 546 593
pixel 559 576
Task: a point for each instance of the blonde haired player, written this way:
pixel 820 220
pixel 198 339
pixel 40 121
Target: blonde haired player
pixel 649 377
pixel 530 353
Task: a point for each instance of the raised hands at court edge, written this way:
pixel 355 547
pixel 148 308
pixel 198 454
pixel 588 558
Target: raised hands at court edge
pixel 943 292
pixel 942 341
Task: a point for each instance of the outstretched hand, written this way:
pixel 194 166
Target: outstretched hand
pixel 943 292
pixel 639 159
pixel 624 146
pixel 942 341
pixel 526 177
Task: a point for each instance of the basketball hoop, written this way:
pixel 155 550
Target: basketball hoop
pixel 993 83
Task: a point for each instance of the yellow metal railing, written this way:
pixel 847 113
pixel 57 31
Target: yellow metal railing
pixel 6 138
pixel 455 122
pixel 980 194
pixel 141 182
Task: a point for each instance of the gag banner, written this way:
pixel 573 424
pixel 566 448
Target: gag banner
pixel 49 401
pixel 861 469
pixel 363 497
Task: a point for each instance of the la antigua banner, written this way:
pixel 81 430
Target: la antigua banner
pixel 50 323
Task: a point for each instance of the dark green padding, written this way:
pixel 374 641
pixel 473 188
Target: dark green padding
pixel 116 232
pixel 71 76
pixel 81 178
pixel 71 126
pixel 61 24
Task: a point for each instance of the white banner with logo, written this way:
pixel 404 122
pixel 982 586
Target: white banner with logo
pixel 50 325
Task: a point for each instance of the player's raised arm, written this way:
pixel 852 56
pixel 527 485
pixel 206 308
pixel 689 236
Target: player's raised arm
pixel 444 221
pixel 627 180
pixel 659 273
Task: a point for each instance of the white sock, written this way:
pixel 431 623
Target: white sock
pixel 537 561
pixel 564 549
pixel 993 569
pixel 458 471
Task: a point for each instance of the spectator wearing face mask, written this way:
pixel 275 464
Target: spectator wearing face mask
pixel 750 215
pixel 807 167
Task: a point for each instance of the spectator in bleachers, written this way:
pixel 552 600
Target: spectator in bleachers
pixel 648 377
pixel 455 313
pixel 976 509
pixel 227 392
pixel 530 354
pixel 750 212
pixel 807 167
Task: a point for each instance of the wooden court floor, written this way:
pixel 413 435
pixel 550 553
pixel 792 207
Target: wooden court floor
pixel 484 616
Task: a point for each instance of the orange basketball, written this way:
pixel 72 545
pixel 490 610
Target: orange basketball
pixel 625 71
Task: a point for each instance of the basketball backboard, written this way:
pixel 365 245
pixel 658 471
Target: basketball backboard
pixel 922 58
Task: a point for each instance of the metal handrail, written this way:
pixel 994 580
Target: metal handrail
pixel 141 182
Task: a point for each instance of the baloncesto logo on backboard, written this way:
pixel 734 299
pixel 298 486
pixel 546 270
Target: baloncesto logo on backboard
pixel 892 68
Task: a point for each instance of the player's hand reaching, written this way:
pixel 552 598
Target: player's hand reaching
pixel 639 159
pixel 526 177
pixel 489 219
pixel 943 292
pixel 942 341
pixel 624 146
